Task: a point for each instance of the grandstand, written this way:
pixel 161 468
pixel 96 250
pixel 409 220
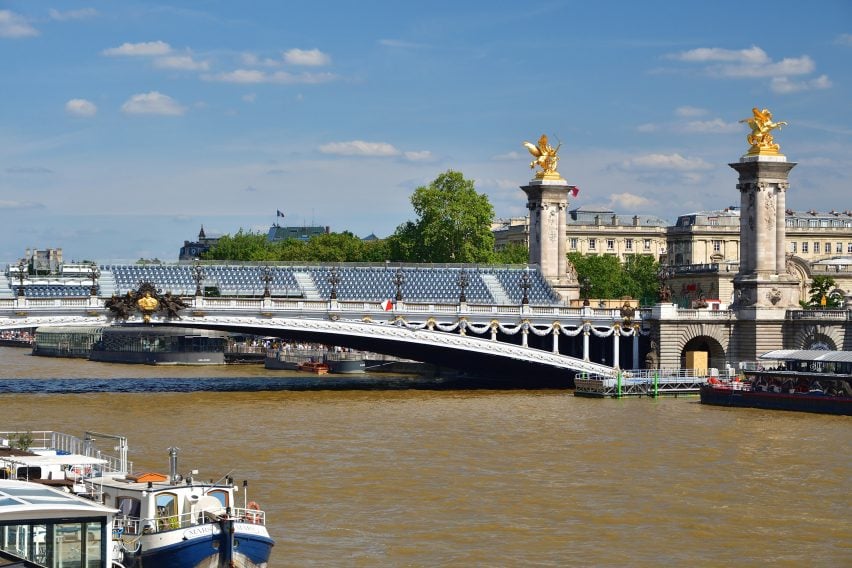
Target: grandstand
pixel 418 283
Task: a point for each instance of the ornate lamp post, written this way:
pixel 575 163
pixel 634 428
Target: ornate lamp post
pixel 94 274
pixel 664 275
pixel 399 280
pixel 198 274
pixel 334 280
pixel 22 265
pixel 267 278
pixel 525 286
pixel 464 280
pixel 585 289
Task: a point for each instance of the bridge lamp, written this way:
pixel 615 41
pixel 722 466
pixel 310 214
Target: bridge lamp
pixel 399 280
pixel 267 278
pixel 22 265
pixel 198 274
pixel 464 280
pixel 525 286
pixel 334 280
pixel 94 274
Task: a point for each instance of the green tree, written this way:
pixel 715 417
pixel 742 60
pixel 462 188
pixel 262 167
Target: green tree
pixel 514 253
pixel 640 273
pixel 824 294
pixel 453 223
pixel 604 273
pixel 244 245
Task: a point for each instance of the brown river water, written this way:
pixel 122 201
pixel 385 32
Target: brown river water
pixel 477 477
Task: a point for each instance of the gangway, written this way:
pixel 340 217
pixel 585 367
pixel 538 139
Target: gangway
pixel 643 382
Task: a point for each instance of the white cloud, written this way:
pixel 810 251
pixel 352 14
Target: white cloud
pixel 674 162
pixel 783 85
pixel 182 62
pixel 13 25
pixel 421 156
pixel 714 126
pixel 648 127
pixel 148 48
pixel 81 107
pixel 153 103
pixel 689 111
pixel 308 57
pixel 752 55
pixel 843 39
pixel 81 14
pixel 12 204
pixel 359 148
pixel 628 201
pixel 788 66
pixel 255 76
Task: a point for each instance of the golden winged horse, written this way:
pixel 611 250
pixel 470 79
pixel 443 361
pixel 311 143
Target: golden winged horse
pixel 545 157
pixel 761 125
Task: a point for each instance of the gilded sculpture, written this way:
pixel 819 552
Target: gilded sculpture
pixel 546 157
pixel 147 301
pixel 761 124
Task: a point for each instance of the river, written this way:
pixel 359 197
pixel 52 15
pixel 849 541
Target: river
pixel 421 477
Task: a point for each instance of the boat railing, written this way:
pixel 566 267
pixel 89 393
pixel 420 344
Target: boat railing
pixel 125 525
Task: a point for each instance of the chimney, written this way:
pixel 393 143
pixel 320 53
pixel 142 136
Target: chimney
pixel 173 474
pixel 636 220
pixel 615 219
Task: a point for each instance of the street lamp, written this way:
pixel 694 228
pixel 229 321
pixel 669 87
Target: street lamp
pixel 94 274
pixel 198 274
pixel 267 278
pixel 399 280
pixel 585 289
pixel 22 265
pixel 334 280
pixel 525 286
pixel 464 280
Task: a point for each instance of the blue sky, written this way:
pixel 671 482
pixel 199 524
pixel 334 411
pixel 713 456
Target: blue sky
pixel 125 126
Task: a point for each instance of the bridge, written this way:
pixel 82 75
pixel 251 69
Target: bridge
pixel 542 340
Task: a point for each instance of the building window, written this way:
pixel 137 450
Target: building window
pixel 593 244
pixel 805 247
pixel 849 248
pixel 827 248
pixel 647 244
pixel 713 221
pixel 628 244
pixel 816 247
pixel 573 243
pixel 838 248
pixel 717 246
pixel 610 244
pixel 793 247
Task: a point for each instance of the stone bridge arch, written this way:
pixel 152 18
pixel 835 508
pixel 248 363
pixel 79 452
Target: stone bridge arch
pixel 704 338
pixel 818 336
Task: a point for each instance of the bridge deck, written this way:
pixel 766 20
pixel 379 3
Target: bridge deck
pixel 662 382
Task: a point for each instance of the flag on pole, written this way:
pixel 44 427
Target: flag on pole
pixel 387 305
pixel 279 213
pixel 574 190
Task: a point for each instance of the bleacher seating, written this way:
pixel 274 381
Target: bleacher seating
pixel 53 291
pixel 421 283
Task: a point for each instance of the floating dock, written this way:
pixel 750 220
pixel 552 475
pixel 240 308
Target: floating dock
pixel 643 382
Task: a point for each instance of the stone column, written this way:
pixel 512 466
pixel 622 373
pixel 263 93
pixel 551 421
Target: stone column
pixel 585 344
pixel 547 201
pixel 616 351
pixel 781 228
pixel 635 346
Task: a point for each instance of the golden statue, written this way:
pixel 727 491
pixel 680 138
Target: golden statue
pixel 762 143
pixel 147 305
pixel 545 157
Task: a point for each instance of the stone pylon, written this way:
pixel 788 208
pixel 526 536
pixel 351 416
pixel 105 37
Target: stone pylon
pixel 547 201
pixel 762 280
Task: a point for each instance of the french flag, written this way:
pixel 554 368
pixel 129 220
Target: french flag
pixel 387 305
pixel 574 190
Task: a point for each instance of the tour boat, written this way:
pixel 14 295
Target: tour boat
pixel 801 380
pixel 168 521
pixel 316 367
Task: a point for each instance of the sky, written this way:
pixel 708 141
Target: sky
pixel 126 126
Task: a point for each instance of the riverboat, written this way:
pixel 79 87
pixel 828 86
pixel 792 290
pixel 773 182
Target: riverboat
pixel 799 380
pixel 315 367
pixel 161 520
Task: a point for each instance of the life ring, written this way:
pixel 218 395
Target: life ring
pixel 253 513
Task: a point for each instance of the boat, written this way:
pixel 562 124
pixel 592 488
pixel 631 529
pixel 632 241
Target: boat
pixel 346 362
pixel 800 380
pixel 316 367
pixel 45 526
pixel 164 520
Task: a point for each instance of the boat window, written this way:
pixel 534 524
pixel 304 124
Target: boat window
pixel 128 506
pixel 222 496
pixel 29 473
pixel 167 511
pixel 94 550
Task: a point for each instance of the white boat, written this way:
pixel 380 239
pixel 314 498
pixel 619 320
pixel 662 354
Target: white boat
pixel 161 520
